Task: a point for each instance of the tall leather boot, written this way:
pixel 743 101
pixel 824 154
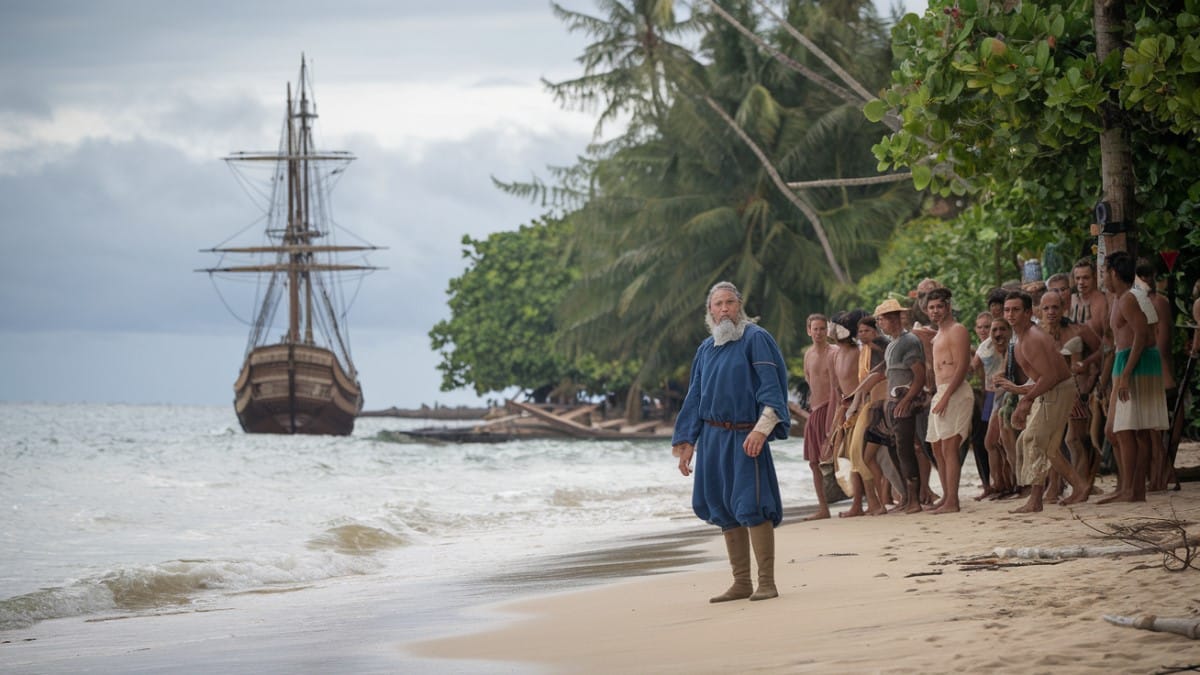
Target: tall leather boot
pixel 737 543
pixel 763 538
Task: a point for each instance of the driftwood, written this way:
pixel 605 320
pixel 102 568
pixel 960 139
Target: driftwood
pixel 997 563
pixel 1188 627
pixel 934 573
pixel 1067 552
pixel 1166 536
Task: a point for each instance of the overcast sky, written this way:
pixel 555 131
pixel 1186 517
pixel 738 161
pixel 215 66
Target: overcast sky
pixel 114 116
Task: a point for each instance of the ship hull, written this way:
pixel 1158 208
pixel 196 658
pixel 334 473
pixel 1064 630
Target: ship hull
pixel 295 389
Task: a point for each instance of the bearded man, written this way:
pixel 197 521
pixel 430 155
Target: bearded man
pixel 736 402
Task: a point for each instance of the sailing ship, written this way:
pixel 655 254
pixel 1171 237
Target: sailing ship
pixel 298 376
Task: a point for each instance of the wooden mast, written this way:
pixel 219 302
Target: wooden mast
pixel 289 237
pixel 305 186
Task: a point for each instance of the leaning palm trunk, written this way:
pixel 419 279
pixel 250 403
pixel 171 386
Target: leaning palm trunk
pixel 809 212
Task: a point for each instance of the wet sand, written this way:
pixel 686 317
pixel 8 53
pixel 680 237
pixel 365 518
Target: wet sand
pixel 898 593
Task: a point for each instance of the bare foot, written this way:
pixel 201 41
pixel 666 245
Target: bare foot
pixel 881 511
pixel 852 513
pixel 987 492
pixel 1028 508
pixel 945 508
pixel 914 507
pixel 1116 497
pixel 819 515
pixel 1079 494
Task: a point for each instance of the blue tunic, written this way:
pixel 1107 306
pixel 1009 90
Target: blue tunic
pixel 734 383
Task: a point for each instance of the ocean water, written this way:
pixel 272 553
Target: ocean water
pixel 145 513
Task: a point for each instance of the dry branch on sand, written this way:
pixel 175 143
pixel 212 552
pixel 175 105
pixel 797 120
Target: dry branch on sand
pixel 1167 536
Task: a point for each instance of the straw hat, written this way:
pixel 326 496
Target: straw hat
pixel 888 306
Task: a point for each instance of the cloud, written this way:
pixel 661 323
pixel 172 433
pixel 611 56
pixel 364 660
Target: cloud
pixel 99 248
pixel 113 117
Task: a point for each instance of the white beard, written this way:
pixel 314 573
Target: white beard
pixel 727 331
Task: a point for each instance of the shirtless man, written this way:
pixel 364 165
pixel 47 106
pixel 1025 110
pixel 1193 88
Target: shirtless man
pixel 925 331
pixel 846 380
pixel 1060 283
pixel 1045 405
pixel 1080 348
pixel 818 370
pixel 1138 405
pixel 954 403
pixel 1088 304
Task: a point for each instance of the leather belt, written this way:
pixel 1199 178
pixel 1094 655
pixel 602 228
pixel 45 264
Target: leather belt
pixel 731 426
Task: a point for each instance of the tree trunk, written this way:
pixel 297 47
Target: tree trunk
pixel 1116 160
pixel 633 404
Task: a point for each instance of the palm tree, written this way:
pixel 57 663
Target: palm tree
pixel 629 67
pixel 673 215
pixel 694 193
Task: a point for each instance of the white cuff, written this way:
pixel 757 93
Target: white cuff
pixel 767 421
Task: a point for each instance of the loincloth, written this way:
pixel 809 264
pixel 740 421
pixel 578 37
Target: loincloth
pixel 816 431
pixel 956 419
pixel 1147 404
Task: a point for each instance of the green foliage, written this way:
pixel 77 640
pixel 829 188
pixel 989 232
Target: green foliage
pixel 966 256
pixel 1162 66
pixel 1004 102
pixel 502 326
pixel 987 93
pixel 674 211
pixel 631 67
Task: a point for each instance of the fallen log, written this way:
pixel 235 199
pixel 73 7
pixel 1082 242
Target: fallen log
pixel 1188 627
pixel 1043 553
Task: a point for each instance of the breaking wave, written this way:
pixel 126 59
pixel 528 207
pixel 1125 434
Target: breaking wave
pixel 356 539
pixel 173 583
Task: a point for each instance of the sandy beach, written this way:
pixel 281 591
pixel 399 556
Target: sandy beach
pixel 905 594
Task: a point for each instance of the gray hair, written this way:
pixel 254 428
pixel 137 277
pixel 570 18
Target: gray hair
pixel 742 318
pixel 722 286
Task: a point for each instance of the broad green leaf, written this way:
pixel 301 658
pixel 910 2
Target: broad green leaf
pixel 875 110
pixel 921 176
